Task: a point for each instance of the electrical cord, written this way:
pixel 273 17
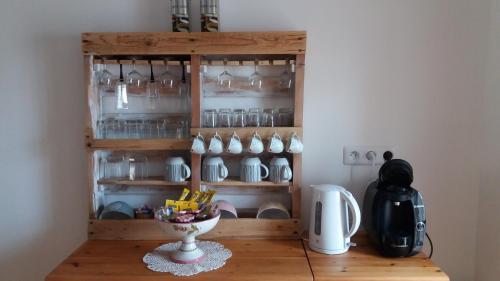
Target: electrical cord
pixel 432 245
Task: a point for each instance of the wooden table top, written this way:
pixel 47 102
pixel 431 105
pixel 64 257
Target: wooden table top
pixel 105 260
pixel 362 263
pixel 114 260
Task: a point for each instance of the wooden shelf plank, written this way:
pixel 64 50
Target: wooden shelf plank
pixel 178 43
pixel 143 182
pixel 247 132
pixel 137 229
pixel 237 183
pixel 139 144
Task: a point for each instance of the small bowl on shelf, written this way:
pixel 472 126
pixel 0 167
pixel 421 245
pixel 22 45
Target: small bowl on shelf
pixel 188 252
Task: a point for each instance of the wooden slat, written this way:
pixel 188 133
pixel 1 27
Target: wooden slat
pixel 172 43
pixel 237 183
pixel 252 260
pixel 90 96
pixel 247 62
pixel 363 263
pixel 142 182
pixel 299 91
pixel 297 183
pixel 247 132
pixel 140 62
pixel 195 118
pixel 226 228
pixel 146 144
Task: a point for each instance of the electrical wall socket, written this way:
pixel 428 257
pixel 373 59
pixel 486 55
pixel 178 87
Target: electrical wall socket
pixel 358 155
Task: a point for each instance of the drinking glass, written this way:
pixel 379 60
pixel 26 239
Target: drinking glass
pixel 225 117
pixel 153 94
pixel 254 117
pixel 239 118
pixel 224 79
pixel 269 117
pixel 286 78
pixel 210 118
pixel 121 92
pixel 285 117
pixel 105 77
pixel 134 78
pixel 255 79
pixel 167 79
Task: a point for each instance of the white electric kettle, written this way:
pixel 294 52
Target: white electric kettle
pixel 329 230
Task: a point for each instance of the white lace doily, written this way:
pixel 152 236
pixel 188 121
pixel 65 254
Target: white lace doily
pixel 159 259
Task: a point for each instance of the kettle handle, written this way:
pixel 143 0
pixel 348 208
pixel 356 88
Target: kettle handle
pixel 353 206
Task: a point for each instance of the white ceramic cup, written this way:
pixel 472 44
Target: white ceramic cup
pixel 216 145
pixel 198 146
pixel 294 144
pixel 176 169
pixel 279 170
pixel 227 210
pixel 275 144
pixel 273 210
pixel 256 145
pixel 213 169
pixel 234 145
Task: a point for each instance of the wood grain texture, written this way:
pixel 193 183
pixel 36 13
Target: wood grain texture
pixel 252 260
pixel 246 133
pixel 226 228
pixel 139 144
pixel 154 181
pixel 177 43
pixel 362 263
pixel 90 97
pixel 236 182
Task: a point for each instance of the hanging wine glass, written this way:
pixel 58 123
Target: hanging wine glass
pixel 255 78
pixel 286 77
pixel 134 77
pixel 167 79
pixel 152 95
pixel 105 77
pixel 224 79
pixel 121 92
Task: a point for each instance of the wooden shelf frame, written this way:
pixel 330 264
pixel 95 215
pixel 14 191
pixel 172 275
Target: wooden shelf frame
pixel 154 181
pixel 139 229
pixel 195 49
pixel 229 182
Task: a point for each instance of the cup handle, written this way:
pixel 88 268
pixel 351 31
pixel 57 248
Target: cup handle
pixel 187 171
pixel 223 172
pixel 236 136
pixel 266 170
pixel 287 173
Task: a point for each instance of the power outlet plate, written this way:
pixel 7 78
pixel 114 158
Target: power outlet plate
pixel 361 151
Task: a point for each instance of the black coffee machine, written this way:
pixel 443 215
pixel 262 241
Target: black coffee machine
pixel 393 211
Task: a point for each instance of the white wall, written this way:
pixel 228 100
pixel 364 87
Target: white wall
pixel 399 72
pixel 488 238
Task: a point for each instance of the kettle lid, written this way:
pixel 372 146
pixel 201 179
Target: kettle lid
pixel 327 187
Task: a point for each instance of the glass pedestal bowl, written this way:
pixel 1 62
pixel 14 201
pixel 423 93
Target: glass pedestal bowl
pixel 188 252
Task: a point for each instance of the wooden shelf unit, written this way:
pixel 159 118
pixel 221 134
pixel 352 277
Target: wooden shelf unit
pixel 193 49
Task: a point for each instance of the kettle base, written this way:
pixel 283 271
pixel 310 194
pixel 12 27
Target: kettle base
pixel 328 251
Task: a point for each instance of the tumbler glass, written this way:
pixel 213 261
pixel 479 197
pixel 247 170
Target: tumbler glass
pixel 225 117
pixel 285 117
pixel 240 118
pixel 210 118
pixel 269 117
pixel 254 117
